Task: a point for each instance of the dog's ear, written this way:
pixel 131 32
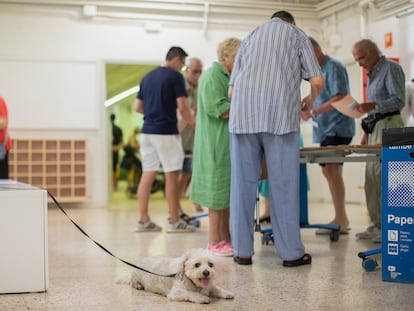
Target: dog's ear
pixel 180 275
pixel 183 259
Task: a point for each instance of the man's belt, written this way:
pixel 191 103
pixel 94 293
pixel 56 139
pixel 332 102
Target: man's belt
pixel 380 116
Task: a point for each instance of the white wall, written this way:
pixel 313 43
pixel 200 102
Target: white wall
pixel 46 39
pixel 30 37
pixel 403 44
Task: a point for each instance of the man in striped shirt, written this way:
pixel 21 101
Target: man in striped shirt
pixel 264 122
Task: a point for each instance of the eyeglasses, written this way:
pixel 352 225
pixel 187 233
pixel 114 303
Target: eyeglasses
pixel 195 71
pixel 360 59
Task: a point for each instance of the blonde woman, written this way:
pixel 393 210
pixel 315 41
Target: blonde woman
pixel 211 163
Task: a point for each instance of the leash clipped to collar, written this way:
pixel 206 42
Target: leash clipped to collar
pixel 100 245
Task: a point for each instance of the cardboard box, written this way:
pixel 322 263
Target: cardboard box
pixel 23 238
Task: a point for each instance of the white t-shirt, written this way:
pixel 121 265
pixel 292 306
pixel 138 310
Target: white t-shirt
pixel 407 113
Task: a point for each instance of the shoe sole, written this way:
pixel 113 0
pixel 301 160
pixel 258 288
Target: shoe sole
pixel 364 237
pixel 377 240
pixel 329 231
pixel 242 261
pixel 298 262
pixel 367 235
pixel 148 230
pixel 222 255
pixel 180 230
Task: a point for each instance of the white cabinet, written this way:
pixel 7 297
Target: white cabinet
pixel 23 238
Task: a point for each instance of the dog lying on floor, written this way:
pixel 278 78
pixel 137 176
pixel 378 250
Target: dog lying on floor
pixel 195 273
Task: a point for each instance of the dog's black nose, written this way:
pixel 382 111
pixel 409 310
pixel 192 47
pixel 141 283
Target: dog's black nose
pixel 206 273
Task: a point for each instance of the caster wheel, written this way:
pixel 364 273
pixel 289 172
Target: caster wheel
pixel 334 235
pixel 195 223
pixel 369 264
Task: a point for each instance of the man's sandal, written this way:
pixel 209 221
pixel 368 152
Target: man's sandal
pixel 244 261
pixel 306 259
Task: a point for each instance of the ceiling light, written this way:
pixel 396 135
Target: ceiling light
pixel 89 10
pixel 121 96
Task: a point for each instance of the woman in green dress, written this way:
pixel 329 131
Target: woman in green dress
pixel 211 156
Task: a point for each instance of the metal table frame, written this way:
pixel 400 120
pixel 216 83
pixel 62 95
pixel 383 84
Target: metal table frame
pixel 329 154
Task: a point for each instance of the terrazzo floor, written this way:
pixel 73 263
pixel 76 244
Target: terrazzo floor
pixel 83 277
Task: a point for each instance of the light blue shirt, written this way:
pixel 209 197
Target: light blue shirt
pixel 333 123
pixel 268 69
pixel 386 86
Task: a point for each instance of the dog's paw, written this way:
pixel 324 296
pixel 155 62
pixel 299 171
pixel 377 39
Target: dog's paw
pixel 135 281
pixel 202 300
pixel 228 295
pixel 123 280
pixel 222 293
pixel 137 285
pixel 189 296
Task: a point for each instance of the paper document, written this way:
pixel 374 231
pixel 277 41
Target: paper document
pixel 350 107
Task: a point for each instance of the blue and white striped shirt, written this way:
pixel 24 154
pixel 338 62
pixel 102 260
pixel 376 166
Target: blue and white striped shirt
pixel 268 69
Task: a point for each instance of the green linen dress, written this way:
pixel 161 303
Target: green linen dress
pixel 211 156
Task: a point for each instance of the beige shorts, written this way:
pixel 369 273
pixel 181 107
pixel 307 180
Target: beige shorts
pixel 157 150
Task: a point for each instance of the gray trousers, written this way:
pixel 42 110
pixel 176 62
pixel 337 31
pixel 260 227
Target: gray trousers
pixel 282 158
pixel 373 194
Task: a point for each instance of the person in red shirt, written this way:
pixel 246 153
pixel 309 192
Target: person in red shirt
pixel 5 141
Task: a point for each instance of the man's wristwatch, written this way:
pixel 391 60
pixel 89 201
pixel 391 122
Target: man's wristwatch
pixel 313 114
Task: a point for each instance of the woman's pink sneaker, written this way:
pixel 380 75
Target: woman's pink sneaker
pixel 221 249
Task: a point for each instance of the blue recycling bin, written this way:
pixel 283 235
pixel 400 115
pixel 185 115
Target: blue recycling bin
pixel 398 205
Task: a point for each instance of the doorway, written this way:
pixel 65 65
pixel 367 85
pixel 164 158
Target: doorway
pixel 122 81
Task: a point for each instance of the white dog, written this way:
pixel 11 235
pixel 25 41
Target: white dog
pixel 193 282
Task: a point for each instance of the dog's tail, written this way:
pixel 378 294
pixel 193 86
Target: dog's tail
pixel 126 280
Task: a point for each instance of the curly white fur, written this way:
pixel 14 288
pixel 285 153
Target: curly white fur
pixel 193 282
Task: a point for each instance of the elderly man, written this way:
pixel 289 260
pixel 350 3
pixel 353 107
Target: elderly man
pixel 264 121
pixel 193 70
pixel 386 88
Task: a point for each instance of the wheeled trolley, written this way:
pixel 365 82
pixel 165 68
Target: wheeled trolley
pixel 330 154
pixel 369 263
pixel 267 234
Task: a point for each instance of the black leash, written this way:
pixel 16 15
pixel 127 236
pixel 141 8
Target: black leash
pixel 100 245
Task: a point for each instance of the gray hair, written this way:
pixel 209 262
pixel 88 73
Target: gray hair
pixel 314 43
pixel 367 45
pixel 190 60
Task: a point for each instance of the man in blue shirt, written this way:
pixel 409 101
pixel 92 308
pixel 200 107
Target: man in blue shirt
pixel 161 92
pixel 386 88
pixel 333 129
pixel 264 122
